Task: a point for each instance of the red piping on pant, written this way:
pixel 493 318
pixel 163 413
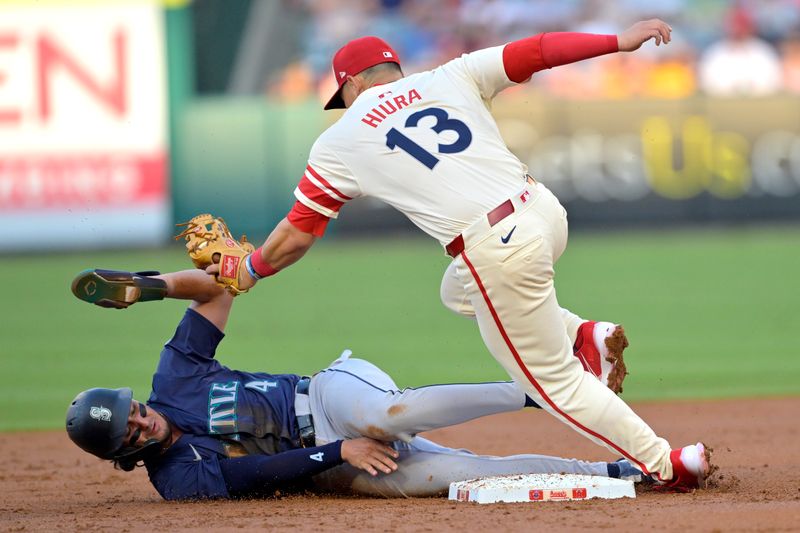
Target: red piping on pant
pixel 530 376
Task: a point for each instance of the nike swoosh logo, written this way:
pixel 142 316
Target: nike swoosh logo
pixel 508 237
pixel 196 455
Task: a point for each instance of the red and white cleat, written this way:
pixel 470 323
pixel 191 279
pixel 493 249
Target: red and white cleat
pixel 599 348
pixel 691 467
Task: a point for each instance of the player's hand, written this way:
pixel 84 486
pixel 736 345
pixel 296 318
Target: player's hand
pixel 369 455
pixel 641 32
pixel 246 281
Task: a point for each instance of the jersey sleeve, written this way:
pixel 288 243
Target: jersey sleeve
pixel 195 469
pixel 196 480
pixel 253 475
pixel 307 220
pixel 182 473
pixel 192 348
pixel 527 56
pixel 327 184
pixel 485 69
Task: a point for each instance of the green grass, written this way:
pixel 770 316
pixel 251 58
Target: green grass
pixel 710 313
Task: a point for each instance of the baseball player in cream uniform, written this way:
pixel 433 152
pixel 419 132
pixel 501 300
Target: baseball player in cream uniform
pixel 427 144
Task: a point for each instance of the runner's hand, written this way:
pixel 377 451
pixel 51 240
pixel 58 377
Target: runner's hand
pixel 369 455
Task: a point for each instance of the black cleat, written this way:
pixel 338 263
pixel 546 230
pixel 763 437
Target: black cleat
pixel 117 289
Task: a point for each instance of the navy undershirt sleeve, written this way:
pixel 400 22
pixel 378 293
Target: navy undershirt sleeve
pixel 253 474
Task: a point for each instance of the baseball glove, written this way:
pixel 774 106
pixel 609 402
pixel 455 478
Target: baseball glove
pixel 209 241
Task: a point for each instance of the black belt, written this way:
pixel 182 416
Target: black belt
pixel 305 422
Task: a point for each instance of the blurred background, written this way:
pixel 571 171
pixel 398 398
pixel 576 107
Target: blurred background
pixel 679 166
pixel 118 108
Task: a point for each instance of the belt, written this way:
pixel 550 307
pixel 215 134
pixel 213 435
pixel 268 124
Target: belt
pixel 494 216
pixel 302 409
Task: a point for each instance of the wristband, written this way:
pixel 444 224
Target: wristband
pixel 250 270
pixel 260 268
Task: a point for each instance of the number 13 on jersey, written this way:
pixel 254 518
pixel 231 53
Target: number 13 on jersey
pixel 396 139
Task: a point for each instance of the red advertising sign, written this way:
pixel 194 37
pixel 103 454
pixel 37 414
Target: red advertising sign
pixel 83 120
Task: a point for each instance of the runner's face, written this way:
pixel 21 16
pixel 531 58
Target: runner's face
pixel 145 424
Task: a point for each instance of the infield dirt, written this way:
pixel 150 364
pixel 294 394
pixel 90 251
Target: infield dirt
pixel 49 484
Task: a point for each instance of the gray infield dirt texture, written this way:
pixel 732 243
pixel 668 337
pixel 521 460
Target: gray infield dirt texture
pixel 49 484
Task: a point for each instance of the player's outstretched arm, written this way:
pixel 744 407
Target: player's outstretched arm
pixel 209 299
pixel 191 285
pixel 284 247
pixel 641 32
pixel 525 57
pixel 253 474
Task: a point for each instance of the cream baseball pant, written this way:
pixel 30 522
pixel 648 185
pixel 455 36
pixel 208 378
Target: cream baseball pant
pixel 508 288
pixel 354 398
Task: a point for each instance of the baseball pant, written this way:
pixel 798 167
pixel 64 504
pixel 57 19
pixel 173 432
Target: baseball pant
pixel 354 398
pixel 507 272
pixel 455 298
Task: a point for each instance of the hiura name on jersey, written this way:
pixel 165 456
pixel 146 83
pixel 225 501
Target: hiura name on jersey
pixel 389 106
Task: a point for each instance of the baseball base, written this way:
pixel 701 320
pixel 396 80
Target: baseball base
pixel 540 488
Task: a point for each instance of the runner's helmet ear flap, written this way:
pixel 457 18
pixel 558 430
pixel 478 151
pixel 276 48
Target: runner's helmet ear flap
pixel 97 420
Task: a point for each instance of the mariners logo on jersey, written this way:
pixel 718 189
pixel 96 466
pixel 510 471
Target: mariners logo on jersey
pixel 222 407
pixel 222 397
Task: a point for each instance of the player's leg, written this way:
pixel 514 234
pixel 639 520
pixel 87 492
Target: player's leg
pixel 120 289
pixel 511 289
pixel 454 297
pixel 427 469
pixel 354 398
pixel 597 345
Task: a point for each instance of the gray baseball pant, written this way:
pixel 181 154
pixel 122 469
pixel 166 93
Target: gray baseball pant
pixel 354 398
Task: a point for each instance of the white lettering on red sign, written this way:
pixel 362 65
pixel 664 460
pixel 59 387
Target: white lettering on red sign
pixel 52 181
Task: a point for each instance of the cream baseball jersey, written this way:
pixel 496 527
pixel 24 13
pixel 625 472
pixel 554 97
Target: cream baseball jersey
pixel 425 144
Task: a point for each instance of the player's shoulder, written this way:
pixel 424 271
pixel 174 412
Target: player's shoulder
pixel 330 143
pixel 482 58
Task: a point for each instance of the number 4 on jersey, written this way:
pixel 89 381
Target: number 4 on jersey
pixel 395 139
pixel 263 386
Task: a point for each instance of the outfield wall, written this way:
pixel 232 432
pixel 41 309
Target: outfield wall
pixel 102 143
pixel 661 162
pixel 83 125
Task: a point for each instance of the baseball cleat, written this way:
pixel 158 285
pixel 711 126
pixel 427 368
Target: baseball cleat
pixel 691 468
pixel 117 289
pixel 599 348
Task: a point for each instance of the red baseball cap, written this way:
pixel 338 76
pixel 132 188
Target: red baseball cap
pixel 357 55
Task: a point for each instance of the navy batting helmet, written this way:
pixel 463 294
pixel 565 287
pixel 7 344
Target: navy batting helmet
pixel 97 420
